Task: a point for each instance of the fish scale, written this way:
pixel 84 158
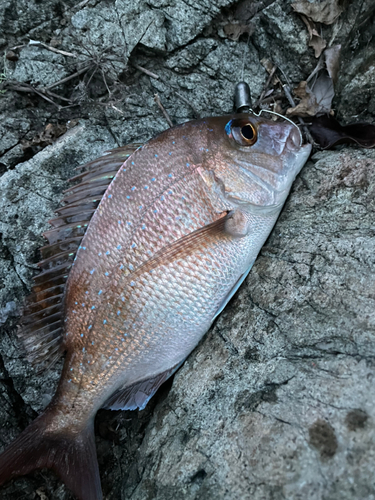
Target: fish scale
pixel 174 235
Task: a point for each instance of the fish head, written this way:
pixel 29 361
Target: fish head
pixel 260 158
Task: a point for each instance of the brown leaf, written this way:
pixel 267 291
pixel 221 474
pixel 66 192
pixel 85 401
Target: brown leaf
pixel 308 106
pixel 324 93
pixel 314 101
pixel 234 31
pixel 332 59
pixel 51 132
pixel 328 132
pixel 325 12
pixel 316 41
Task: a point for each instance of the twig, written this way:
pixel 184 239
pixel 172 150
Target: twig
pixel 105 82
pixel 317 68
pixel 163 110
pixel 29 88
pixel 197 115
pixel 290 99
pixel 272 98
pixel 18 46
pixel 146 71
pixel 81 4
pixel 63 80
pixel 52 49
pixel 300 119
pixel 270 76
pixel 58 96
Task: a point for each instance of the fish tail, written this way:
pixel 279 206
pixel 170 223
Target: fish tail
pixel 72 456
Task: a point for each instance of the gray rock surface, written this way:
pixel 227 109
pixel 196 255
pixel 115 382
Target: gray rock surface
pixel 277 402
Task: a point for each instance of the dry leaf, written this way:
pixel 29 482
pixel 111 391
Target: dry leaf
pixel 316 41
pixel 324 92
pixel 332 59
pixel 308 106
pixel 49 135
pixel 234 31
pixel 325 12
pixel 314 101
pixel 328 132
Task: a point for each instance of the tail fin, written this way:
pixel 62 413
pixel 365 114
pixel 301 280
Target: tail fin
pixel 72 457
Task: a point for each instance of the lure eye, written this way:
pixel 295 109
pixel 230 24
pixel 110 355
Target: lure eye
pixel 242 131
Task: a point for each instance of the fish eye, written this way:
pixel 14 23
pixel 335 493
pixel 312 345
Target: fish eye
pixel 248 132
pixel 242 131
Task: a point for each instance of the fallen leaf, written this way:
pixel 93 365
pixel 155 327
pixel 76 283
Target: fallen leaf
pixel 234 31
pixel 325 12
pixel 49 135
pixel 324 92
pixel 328 132
pixel 316 41
pixel 332 59
pixel 315 100
pixel 308 105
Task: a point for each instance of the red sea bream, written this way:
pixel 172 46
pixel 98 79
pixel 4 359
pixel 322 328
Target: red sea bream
pixel 156 259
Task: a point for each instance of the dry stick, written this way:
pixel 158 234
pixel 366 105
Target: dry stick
pixel 258 102
pixel 163 110
pixel 80 5
pixel 273 98
pixel 300 120
pixel 317 68
pixel 29 88
pixel 52 94
pixel 290 99
pixel 147 72
pixel 187 102
pixel 52 49
pixel 63 80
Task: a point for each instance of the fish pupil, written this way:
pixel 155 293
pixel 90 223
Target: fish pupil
pixel 247 132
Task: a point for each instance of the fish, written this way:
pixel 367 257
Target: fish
pixel 145 253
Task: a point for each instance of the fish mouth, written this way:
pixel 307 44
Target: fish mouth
pixel 298 158
pixel 301 157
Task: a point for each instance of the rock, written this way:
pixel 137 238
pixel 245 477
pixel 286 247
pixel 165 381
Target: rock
pixel 276 401
pixel 38 66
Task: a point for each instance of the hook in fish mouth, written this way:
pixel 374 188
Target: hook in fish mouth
pixel 242 98
pixel 284 118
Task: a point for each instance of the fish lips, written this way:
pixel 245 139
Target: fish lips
pixel 296 159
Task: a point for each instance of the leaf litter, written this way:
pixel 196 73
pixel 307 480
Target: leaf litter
pixel 325 12
pixel 315 100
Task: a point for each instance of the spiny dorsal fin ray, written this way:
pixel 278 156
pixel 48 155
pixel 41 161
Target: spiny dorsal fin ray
pixel 75 208
pixel 60 221
pixel 51 250
pixel 41 328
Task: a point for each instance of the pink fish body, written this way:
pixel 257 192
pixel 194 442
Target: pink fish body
pixel 173 237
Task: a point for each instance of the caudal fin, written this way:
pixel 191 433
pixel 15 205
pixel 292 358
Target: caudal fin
pixel 72 457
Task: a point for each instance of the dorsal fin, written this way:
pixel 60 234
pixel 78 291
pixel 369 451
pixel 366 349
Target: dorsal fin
pixel 41 328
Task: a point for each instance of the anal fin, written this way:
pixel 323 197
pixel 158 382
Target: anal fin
pixel 139 394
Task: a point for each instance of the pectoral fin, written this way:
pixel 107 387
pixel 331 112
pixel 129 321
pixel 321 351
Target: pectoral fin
pixel 237 224
pixel 229 225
